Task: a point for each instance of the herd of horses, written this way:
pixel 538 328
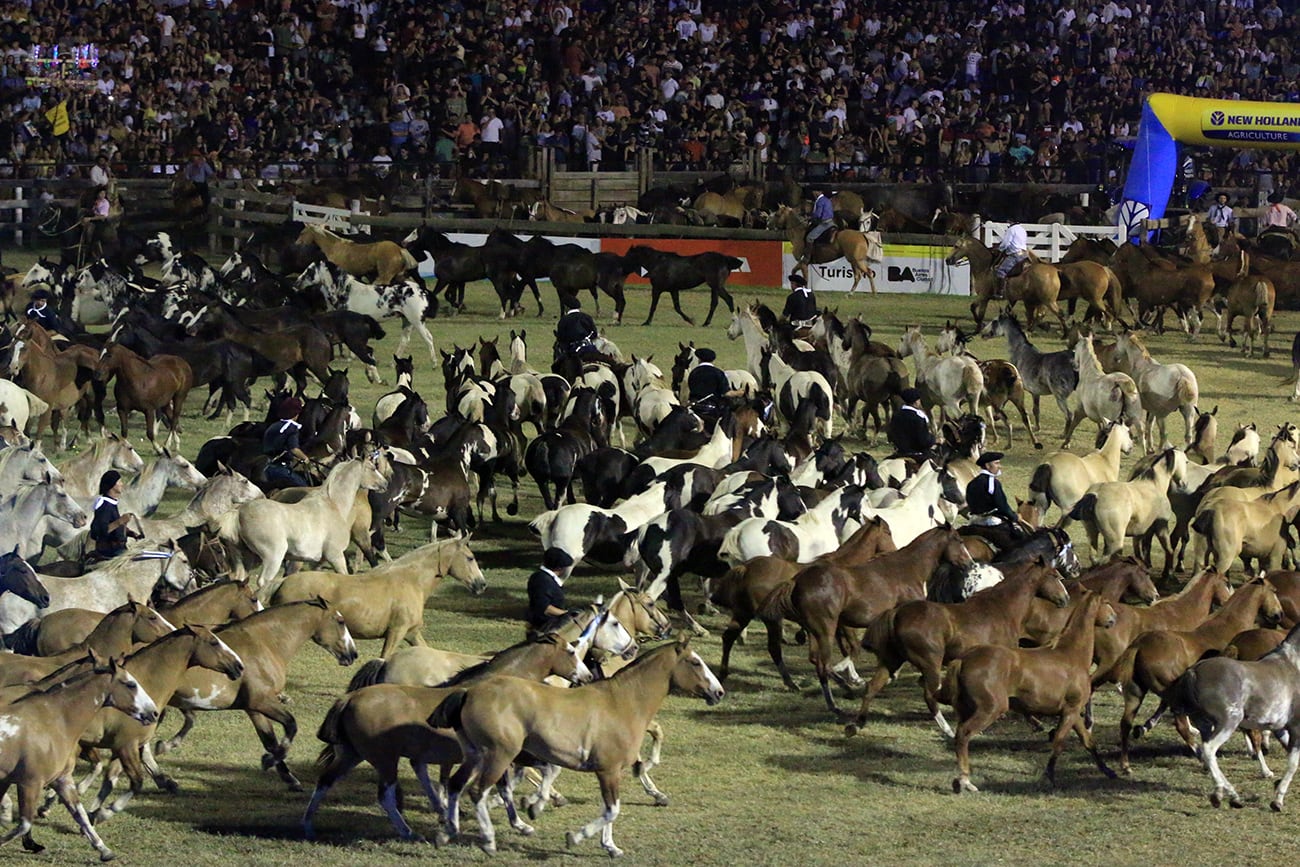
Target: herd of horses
pixel 779 520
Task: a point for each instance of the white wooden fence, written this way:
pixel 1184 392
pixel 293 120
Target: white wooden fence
pixel 335 219
pixel 1049 241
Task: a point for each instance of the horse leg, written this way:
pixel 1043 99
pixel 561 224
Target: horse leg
pixel 643 767
pixel 979 719
pixel 67 792
pixel 134 770
pixel 719 291
pixel 1210 756
pixel 605 822
pixel 1133 695
pixel 887 669
pixel 421 770
pixel 820 642
pixel 677 305
pixel 506 789
pixel 655 292
pixel 774 649
pixel 187 723
pixel 1292 763
pixel 537 801
pixel 276 750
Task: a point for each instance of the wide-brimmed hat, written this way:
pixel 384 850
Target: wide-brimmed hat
pixel 705 354
pixel 910 395
pixel 988 458
pixel 1275 198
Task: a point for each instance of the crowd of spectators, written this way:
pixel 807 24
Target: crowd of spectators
pixel 1043 90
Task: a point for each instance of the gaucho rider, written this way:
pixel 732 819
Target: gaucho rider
pixel 280 444
pixel 574 332
pixel 987 502
pixel 708 388
pixel 1015 247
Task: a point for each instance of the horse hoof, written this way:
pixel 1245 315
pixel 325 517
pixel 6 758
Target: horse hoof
pixel 526 830
pixel 1216 800
pixel 441 838
pixel 489 847
pixel 614 851
pixel 268 761
pixel 1038 446
pixel 1237 803
pixel 851 730
pixel 512 509
pixel 36 848
pixel 106 855
pixel 571 839
pixel 1275 806
pixel 558 800
pixel 535 810
pixel 661 800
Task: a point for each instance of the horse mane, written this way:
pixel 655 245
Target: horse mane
pixel 478 668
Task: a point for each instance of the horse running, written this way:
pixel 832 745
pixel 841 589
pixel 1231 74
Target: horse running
pixel 384 260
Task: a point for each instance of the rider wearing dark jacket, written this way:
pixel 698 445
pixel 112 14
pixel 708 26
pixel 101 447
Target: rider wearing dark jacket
pixel 909 428
pixel 800 306
pixel 40 312
pixel 574 332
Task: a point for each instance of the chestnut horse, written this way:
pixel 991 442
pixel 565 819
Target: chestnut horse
pixel 825 598
pixel 150 386
pixel 384 260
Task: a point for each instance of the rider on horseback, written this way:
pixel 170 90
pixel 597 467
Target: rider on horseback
pixel 40 312
pixel 909 428
pixel 707 387
pixel 574 332
pixel 986 500
pixel 280 443
pixel 823 219
pixel 800 307
pixel 1015 249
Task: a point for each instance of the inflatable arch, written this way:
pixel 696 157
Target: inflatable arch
pixel 1168 120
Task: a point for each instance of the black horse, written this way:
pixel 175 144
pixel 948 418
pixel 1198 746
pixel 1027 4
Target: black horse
pixel 671 273
pixel 278 244
pixel 456 264
pixel 551 458
pixel 63 225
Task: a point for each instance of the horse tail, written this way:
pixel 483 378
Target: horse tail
pixel 1261 298
pixel 331 728
pixel 948 689
pixel 541 525
pixel 1085 509
pixel 1122 671
pixel 1114 295
pixel 408 259
pixel 1295 362
pixel 880 633
pixel 447 715
pixel 779 604
pixel 23 639
pixel 368 675
pixel 1203 523
pixel 972 379
pixel 1187 391
pixel 35 406
pixel 1183 694
pixel 1040 487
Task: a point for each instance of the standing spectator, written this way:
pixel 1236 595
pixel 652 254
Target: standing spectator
pixel 490 128
pixel 1221 214
pixel 199 171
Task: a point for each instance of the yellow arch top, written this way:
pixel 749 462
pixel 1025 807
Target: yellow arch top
pixel 1228 123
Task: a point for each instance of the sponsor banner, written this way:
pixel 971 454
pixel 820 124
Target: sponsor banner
pixel 907 268
pixel 762 263
pixel 477 239
pixel 1223 122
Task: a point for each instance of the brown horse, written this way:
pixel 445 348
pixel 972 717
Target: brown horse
pixel 1157 283
pixel 388 602
pixel 52 378
pixel 744 588
pixel 1095 284
pixel 150 386
pixel 386 261
pixel 1121 578
pixel 929 634
pixel 1038 285
pixel 1039 681
pixel 384 723
pixel 859 249
pixel 297 348
pixel 218 602
pixel 1156 659
pixel 39 750
pixel 826 598
pixel 544 211
pixel 266 641
pixel 159 668
pixel 597 729
pixel 115 634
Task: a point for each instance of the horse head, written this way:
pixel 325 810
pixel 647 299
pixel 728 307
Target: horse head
pixel 693 676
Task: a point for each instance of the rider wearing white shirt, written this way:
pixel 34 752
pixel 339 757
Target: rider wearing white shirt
pixel 1015 246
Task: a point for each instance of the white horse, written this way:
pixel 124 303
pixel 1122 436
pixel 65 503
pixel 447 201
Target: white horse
pixel 405 300
pixel 1164 388
pixel 145 492
pixel 924 506
pixel 21 515
pixel 716 453
pixel 1102 396
pixel 316 528
pixel 25 464
pixel 943 382
pixel 578 529
pixel 1063 478
pixel 110 452
pixel 745 324
pixel 1243 451
pixel 818 531
pixel 134 575
pixel 651 398
pixel 20 405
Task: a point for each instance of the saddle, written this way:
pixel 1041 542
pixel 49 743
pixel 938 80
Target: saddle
pixel 1279 235
pixel 999 536
pixel 1030 259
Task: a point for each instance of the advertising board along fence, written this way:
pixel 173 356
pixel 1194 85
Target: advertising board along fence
pixel 912 265
pixel 1049 241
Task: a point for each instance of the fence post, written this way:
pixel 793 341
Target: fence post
pixel 18 217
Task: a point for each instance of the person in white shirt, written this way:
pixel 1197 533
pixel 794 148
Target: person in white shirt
pixel 1220 213
pixel 99 172
pixel 1278 214
pixel 1015 247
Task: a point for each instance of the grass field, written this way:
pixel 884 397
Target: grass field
pixel 766 777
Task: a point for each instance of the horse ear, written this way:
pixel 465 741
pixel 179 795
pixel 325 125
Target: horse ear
pixel 599 601
pixel 684 640
pixel 623 585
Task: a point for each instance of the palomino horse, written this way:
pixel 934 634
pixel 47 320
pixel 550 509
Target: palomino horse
pixel 544 211
pixel 597 729
pixel 859 249
pixel 1156 659
pixel 1220 695
pixel 385 723
pixel 118 631
pixel 388 602
pixel 134 575
pixel 313 529
pixel 1113 510
pixel 1063 478
pixel 267 641
pixel 1053 681
pixel 943 381
pixel 929 634
pixel 218 602
pixel 384 260
pixel 45 727
pixel 1102 396
pixel 825 599
pixel 1163 388
pixel 1038 285
pixel 150 386
pixel 158 667
pixel 1248 529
